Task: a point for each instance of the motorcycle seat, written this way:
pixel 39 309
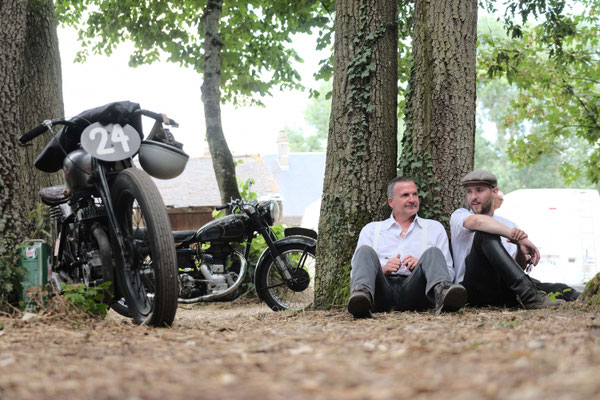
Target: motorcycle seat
pixel 183 236
pixel 54 195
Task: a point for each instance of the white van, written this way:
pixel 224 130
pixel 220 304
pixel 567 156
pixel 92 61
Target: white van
pixel 565 225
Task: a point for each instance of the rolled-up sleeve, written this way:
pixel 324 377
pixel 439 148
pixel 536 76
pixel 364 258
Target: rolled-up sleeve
pixel 457 220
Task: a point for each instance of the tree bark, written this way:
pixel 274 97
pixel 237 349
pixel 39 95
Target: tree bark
pixel 30 78
pixel 439 142
pixel 362 141
pixel 211 97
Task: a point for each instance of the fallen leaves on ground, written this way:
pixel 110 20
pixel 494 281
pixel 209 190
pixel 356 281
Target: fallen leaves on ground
pixel 243 350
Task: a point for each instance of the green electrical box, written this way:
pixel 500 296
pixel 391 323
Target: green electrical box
pixel 35 258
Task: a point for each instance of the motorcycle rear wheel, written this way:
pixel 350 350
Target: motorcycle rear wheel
pixel 281 295
pixel 147 272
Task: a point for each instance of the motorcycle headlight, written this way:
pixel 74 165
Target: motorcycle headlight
pixel 273 211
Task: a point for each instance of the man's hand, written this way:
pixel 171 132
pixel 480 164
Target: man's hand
pixel 528 249
pixel 517 234
pixel 392 265
pixel 410 262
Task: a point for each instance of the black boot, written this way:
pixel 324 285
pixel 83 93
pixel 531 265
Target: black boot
pixel 518 282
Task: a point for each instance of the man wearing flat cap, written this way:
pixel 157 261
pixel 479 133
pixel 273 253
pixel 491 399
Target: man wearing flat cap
pixel 491 253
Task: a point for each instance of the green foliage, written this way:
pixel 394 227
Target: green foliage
pixel 88 300
pixel 299 142
pixel 11 269
pixel 555 93
pixel 256 36
pixel 554 295
pixel 245 189
pixel 257 247
pixel 11 272
pixel 317 114
pixel 39 219
pixel 495 97
pixel 512 323
pixel 557 24
pixel 591 293
pixel 258 244
pixel 318 110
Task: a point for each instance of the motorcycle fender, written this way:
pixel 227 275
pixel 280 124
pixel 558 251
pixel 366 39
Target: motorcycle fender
pixel 266 255
pixel 310 242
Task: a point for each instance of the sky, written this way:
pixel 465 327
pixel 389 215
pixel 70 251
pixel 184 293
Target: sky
pixel 170 89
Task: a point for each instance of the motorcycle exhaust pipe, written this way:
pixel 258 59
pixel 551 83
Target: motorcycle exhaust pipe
pixel 218 295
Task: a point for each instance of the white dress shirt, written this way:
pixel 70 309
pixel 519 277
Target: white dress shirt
pixel 462 240
pixel 421 235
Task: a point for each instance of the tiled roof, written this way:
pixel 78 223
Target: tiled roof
pixel 197 185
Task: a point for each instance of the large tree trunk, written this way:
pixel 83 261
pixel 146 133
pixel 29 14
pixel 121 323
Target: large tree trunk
pixel 362 142
pixel 30 78
pixel 439 142
pixel 211 97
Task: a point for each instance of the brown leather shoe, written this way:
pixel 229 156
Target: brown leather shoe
pixel 540 300
pixel 360 304
pixel 449 297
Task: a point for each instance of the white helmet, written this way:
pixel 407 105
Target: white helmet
pixel 161 160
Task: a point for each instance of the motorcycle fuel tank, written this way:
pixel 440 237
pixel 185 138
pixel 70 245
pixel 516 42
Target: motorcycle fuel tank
pixel 77 168
pixel 229 228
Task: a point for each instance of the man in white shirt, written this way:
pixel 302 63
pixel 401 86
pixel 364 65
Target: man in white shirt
pixel 403 262
pixel 492 268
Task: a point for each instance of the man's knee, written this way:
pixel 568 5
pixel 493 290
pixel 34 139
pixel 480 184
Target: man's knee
pixel 365 256
pixel 485 238
pixel 433 254
pixel 365 250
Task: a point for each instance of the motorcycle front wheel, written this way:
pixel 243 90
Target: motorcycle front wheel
pixel 147 271
pixel 297 294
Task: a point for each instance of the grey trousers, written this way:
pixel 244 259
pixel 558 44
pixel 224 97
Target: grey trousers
pixel 402 293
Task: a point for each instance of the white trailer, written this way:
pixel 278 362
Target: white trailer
pixel 565 225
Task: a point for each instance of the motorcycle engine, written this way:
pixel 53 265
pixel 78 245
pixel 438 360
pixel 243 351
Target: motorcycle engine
pixel 212 272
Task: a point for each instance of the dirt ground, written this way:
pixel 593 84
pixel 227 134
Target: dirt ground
pixel 242 350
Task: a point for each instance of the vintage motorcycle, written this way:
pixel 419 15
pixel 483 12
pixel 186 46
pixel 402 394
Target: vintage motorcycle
pixel 211 265
pixel 109 219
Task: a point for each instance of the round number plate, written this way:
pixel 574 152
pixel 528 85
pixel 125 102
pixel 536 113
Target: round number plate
pixel 111 142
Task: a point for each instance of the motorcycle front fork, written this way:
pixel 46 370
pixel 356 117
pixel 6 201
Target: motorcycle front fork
pixel 282 263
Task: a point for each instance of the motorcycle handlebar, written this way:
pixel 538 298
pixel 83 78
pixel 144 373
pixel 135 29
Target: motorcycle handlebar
pixel 222 207
pixel 159 117
pixel 41 128
pixel 32 134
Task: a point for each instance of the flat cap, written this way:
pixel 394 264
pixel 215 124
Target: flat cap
pixel 479 176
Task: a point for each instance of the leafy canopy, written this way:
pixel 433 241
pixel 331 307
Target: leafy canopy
pixel 256 37
pixel 557 79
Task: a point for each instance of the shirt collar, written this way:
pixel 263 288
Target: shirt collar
pixel 388 223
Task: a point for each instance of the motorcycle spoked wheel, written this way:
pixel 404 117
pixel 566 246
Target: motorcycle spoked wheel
pixel 147 272
pixel 279 295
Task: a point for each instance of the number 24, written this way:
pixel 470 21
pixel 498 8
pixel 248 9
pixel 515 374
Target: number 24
pixel 117 135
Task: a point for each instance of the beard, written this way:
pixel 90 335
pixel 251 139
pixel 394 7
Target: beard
pixel 485 208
